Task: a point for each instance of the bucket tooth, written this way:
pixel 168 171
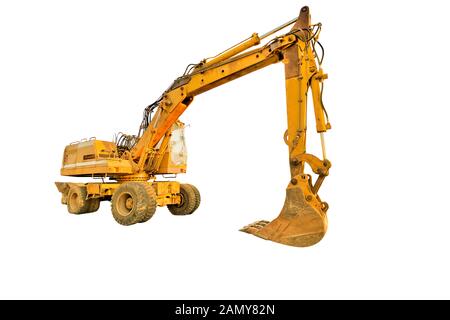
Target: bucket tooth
pixel 302 221
pixel 255 226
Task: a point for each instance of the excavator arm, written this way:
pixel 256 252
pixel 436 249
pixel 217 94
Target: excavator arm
pixel 302 221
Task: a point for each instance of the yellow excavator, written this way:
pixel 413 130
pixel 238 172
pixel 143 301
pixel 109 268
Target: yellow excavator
pixel 132 162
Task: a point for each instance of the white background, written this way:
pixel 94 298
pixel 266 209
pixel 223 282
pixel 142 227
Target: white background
pixel 75 69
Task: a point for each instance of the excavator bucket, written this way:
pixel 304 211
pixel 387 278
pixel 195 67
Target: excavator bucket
pixel 302 221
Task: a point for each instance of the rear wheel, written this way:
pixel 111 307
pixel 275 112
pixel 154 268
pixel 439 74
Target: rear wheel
pixel 131 203
pixel 94 204
pixel 76 200
pixel 190 201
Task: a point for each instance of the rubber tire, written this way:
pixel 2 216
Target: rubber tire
pixel 152 207
pixel 76 200
pixel 141 203
pixel 94 204
pixel 190 201
pixel 197 197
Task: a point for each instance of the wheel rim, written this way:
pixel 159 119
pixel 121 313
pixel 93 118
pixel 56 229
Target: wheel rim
pixel 181 200
pixel 125 204
pixel 73 201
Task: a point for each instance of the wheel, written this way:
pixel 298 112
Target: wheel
pixel 94 204
pixel 76 200
pixel 131 203
pixel 197 197
pixel 152 208
pixel 190 201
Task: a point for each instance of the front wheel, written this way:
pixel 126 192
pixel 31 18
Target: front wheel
pixel 131 203
pixel 190 201
pixel 152 204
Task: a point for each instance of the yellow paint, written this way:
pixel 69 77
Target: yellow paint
pixel 167 192
pixel 151 155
